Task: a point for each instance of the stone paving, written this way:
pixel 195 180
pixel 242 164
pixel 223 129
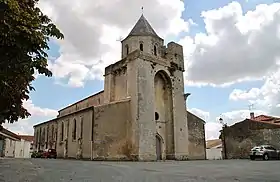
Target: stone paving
pixel 51 170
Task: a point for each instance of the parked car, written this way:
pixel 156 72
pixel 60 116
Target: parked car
pixel 50 153
pixel 37 154
pixel 265 152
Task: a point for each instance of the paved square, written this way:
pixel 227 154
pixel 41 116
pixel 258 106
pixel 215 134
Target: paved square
pixel 51 170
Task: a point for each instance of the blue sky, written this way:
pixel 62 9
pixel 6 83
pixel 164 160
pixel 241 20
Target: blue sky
pixel 54 93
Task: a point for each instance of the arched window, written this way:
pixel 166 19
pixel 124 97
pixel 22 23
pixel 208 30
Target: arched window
pixel 127 49
pixel 155 50
pixel 141 46
pixel 74 134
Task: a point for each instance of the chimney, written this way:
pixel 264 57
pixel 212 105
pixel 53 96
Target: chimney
pixel 252 115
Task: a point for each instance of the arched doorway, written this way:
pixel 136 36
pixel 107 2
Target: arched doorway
pixel 163 109
pixel 158 148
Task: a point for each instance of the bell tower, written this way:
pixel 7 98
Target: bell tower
pixel 150 75
pixel 142 37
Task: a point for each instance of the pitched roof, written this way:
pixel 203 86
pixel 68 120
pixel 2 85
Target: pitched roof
pixel 266 118
pixel 200 119
pixel 27 137
pixel 9 134
pixel 142 28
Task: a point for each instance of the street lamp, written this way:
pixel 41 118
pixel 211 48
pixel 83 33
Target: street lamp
pixel 223 136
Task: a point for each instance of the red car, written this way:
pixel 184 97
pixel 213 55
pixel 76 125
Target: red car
pixel 50 153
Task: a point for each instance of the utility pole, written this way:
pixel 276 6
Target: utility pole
pixel 223 136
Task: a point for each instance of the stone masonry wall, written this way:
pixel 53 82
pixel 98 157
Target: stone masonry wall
pixel 94 100
pixel 197 145
pixel 245 135
pixel 112 136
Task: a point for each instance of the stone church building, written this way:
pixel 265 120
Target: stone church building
pixel 140 115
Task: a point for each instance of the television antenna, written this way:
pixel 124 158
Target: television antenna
pixel 251 107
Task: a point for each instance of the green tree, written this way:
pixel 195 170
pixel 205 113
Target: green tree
pixel 24 35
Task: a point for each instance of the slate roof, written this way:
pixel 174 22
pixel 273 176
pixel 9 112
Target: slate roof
pixel 143 28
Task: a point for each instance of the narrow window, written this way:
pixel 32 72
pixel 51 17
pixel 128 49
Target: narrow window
pixel 44 135
pixel 47 138
pixel 127 49
pixel 74 129
pixel 155 50
pixel 40 137
pixel 82 127
pixel 141 47
pixel 62 132
pixel 52 133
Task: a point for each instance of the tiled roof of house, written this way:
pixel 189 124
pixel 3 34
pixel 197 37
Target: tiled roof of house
pixel 266 122
pixel 9 133
pixel 213 143
pixel 265 118
pixel 27 137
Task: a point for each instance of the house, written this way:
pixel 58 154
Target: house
pixel 242 136
pixel 8 141
pixel 196 137
pixel 15 146
pixel 24 147
pixel 214 149
pixel 140 114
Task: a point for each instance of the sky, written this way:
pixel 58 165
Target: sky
pixel 231 51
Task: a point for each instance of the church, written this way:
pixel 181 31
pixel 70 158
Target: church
pixel 141 113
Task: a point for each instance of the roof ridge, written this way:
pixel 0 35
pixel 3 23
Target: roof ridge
pixel 143 28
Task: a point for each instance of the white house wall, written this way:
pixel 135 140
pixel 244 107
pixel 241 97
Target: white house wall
pixel 22 149
pixel 9 148
pixel 214 154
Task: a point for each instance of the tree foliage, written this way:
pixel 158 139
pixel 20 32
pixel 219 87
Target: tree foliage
pixel 24 35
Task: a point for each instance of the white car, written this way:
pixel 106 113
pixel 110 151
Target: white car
pixel 265 152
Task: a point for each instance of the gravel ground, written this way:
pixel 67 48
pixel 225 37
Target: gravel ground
pixel 51 170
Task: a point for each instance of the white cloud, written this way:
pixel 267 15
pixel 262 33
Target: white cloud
pixel 238 94
pixel 38 114
pixel 91 30
pixel 212 130
pixel 236 46
pixel 266 98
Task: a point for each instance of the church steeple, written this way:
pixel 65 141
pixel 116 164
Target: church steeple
pixel 142 37
pixel 142 28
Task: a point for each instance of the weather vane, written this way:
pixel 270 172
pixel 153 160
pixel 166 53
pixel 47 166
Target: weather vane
pixel 142 8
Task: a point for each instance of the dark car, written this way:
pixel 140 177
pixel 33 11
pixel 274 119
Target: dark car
pixel 265 152
pixel 50 153
pixel 37 154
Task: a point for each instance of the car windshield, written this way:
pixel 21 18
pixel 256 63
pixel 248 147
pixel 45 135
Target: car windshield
pixel 257 148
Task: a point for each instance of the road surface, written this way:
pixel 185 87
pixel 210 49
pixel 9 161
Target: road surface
pixel 51 170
